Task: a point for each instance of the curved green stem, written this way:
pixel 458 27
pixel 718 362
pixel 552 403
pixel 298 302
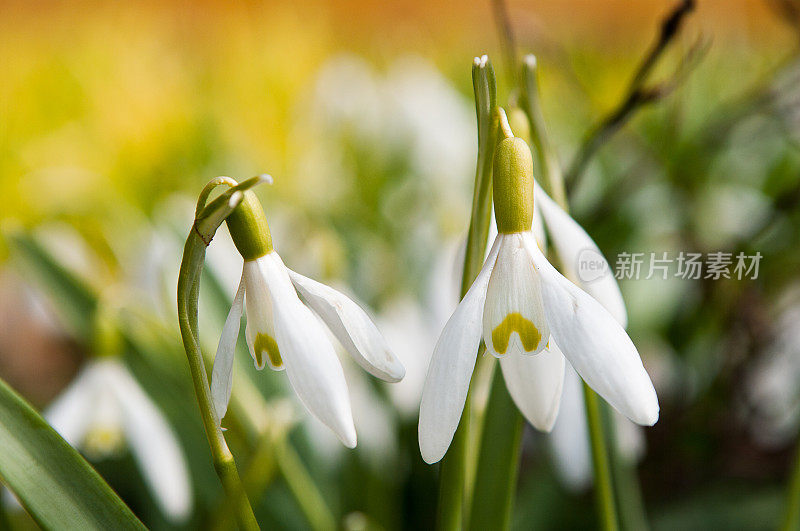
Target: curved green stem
pixel 188 293
pixel 224 464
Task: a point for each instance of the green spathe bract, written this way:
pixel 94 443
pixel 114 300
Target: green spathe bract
pixel 248 227
pixel 513 186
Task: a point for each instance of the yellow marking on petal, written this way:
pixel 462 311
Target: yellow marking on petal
pixel 103 441
pixel 515 322
pixel 265 343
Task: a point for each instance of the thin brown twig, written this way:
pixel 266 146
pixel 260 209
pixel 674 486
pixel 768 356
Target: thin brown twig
pixel 639 94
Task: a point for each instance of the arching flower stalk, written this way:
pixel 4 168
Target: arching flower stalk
pixel 284 332
pixel 530 317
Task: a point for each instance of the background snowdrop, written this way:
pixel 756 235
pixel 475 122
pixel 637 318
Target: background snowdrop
pixel 104 409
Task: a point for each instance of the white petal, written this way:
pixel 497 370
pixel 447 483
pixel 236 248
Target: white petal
pixel 260 329
pixel 222 374
pixel 153 444
pixel 70 413
pixel 513 317
pixel 451 366
pixel 311 363
pixel 581 258
pixel 596 345
pixel 352 327
pixel 535 382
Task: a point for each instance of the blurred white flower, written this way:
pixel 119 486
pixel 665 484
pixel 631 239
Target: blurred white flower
pixel 771 391
pixel 569 440
pixel 103 408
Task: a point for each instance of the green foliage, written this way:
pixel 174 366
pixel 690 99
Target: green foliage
pixel 56 485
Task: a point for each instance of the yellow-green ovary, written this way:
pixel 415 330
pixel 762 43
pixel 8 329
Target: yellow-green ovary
pixel 265 343
pixel 515 322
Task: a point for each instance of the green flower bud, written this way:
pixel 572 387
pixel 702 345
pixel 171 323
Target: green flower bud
pixel 513 186
pixel 248 227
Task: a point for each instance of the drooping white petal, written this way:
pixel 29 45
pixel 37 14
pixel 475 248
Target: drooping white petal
pixel 71 412
pixel 311 364
pixel 596 345
pixel 222 373
pixel 581 258
pixel 513 317
pixel 260 328
pixel 534 383
pixel 352 327
pixel 153 444
pixel 450 368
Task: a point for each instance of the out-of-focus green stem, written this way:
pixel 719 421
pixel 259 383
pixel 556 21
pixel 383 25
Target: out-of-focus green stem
pixel 550 167
pixel 791 517
pixel 303 487
pixel 604 491
pixel 626 483
pixel 452 472
pixel 498 460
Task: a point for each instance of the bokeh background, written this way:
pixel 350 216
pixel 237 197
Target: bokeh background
pixel 114 115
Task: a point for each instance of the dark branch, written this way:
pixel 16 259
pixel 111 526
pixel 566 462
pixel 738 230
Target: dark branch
pixel 638 94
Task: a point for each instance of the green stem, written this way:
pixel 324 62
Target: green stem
pixel 543 150
pixel 791 518
pixel 224 464
pixel 302 486
pixel 626 483
pixel 496 476
pixel 452 472
pixel 192 262
pixel 604 492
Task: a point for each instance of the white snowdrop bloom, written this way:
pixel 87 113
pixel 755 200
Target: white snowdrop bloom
pixel 284 332
pixel 531 318
pixel 569 439
pixel 103 408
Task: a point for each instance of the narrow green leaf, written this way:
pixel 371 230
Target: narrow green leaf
pixel 75 300
pixel 55 484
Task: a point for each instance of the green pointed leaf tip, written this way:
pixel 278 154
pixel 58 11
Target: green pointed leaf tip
pixel 513 186
pixel 55 484
pixel 248 227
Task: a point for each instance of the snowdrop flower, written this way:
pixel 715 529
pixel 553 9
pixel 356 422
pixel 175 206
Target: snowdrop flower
pixel 105 406
pixel 284 332
pixel 531 318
